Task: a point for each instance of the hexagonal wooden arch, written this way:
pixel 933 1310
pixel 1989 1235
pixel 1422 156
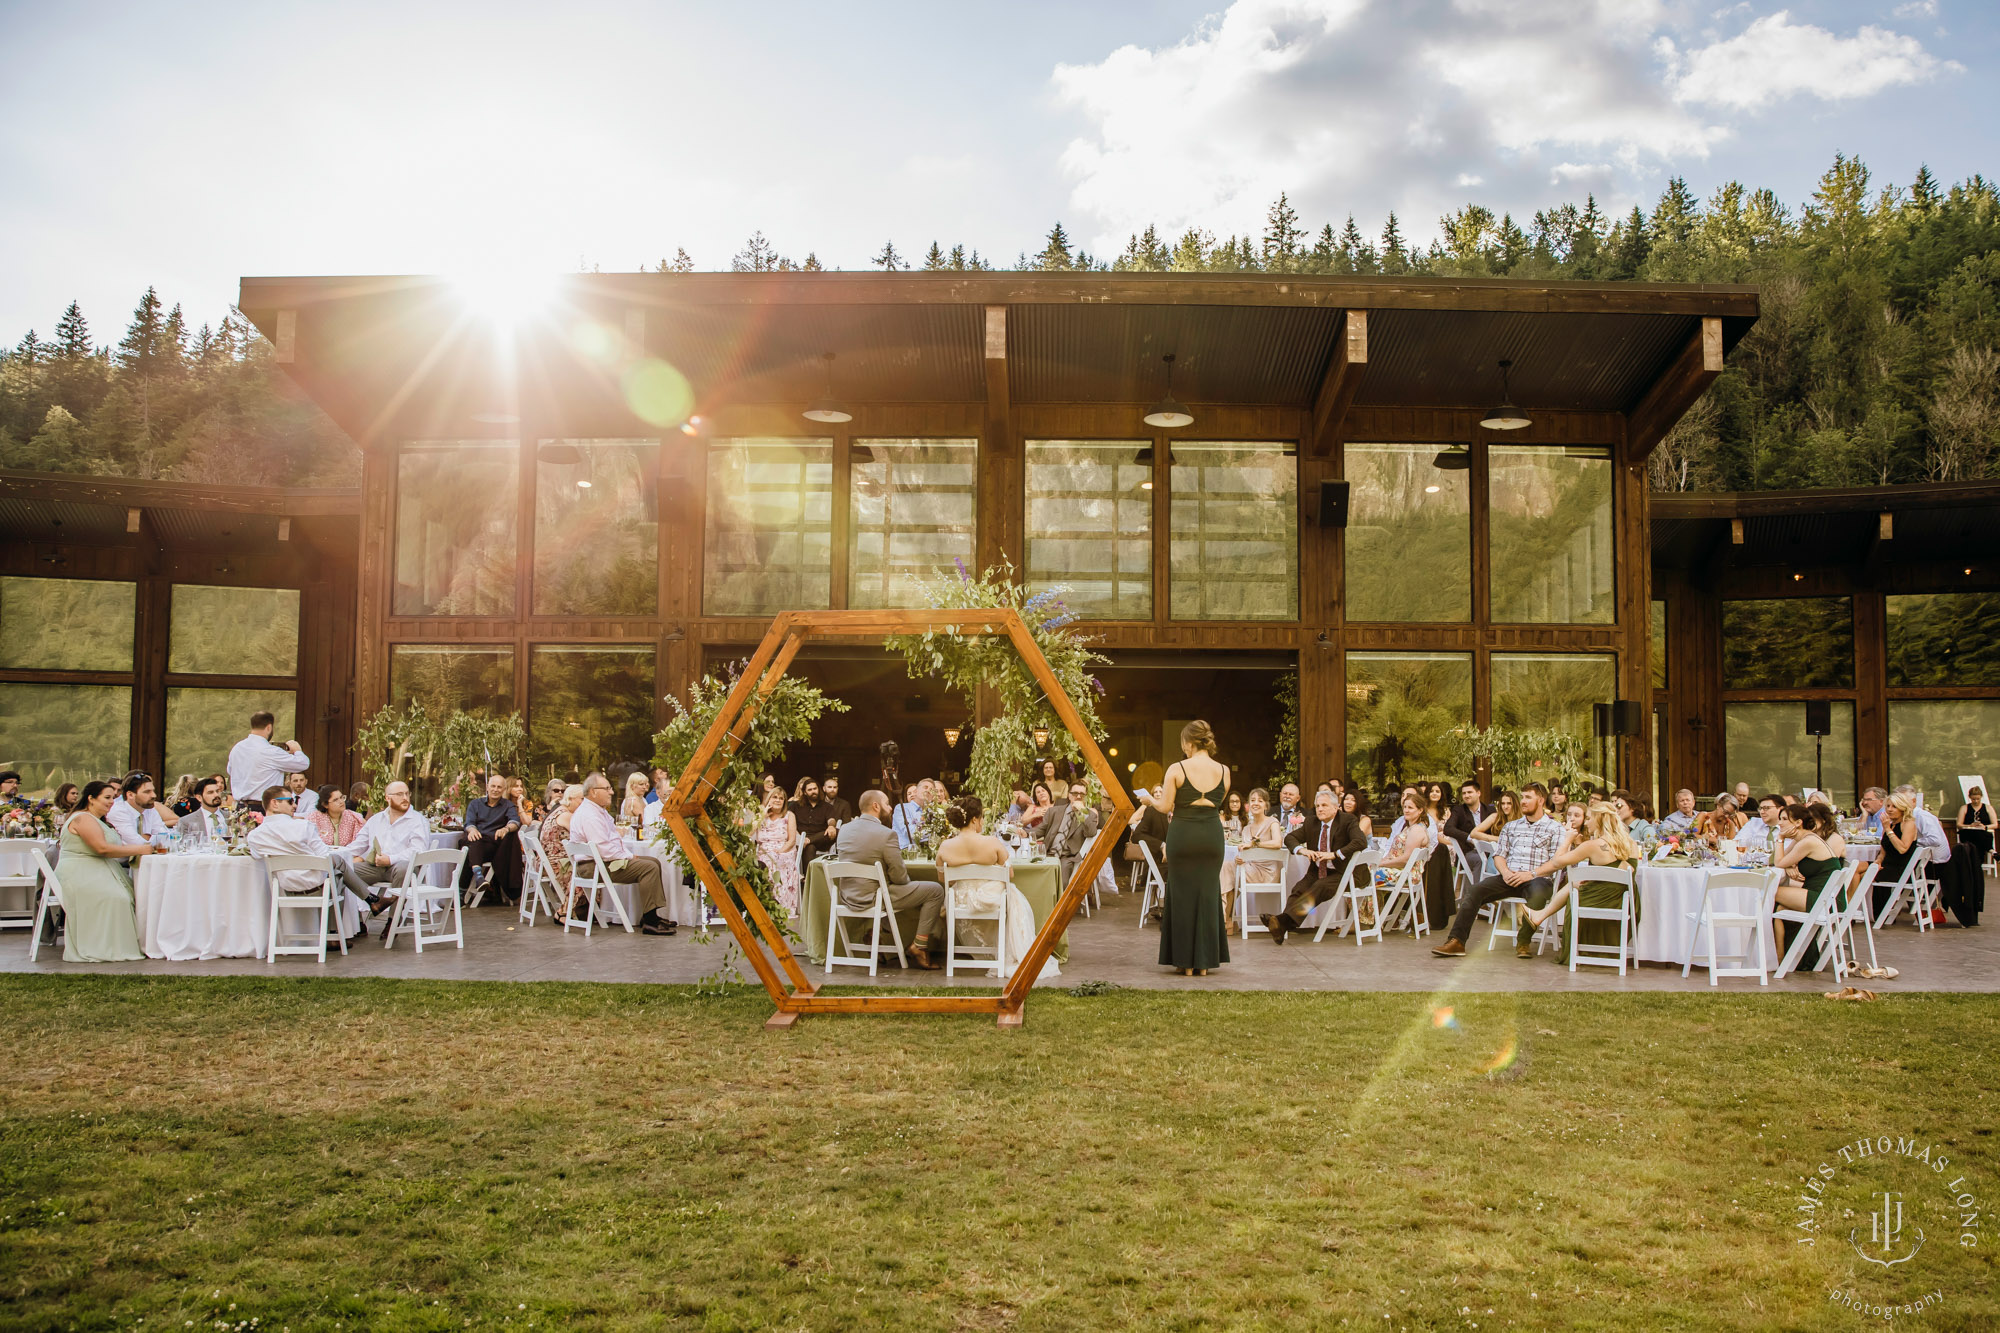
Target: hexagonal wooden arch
pixel 761 940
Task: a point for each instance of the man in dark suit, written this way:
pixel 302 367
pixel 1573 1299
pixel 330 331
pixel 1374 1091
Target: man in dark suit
pixel 1467 814
pixel 1069 829
pixel 1328 838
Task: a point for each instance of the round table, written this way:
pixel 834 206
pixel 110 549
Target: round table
pixel 1035 879
pixel 194 907
pixel 1667 895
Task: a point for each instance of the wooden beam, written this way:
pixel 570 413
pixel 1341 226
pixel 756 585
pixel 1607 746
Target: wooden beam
pixel 128 495
pixel 1675 392
pixel 1344 373
pixel 1832 500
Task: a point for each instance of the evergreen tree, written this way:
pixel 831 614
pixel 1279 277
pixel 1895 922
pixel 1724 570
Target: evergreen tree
pixel 1510 245
pixel 1924 191
pixel 1055 255
pixel 889 259
pixel 1191 251
pixel 73 335
pixel 139 349
pixel 1395 254
pixel 757 256
pixel 1627 246
pixel 934 259
pixel 812 264
pixel 1325 256
pixel 1282 238
pixel 30 351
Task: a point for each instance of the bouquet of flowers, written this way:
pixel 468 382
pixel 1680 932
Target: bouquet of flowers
pixel 443 819
pixel 20 820
pixel 241 824
pixel 931 831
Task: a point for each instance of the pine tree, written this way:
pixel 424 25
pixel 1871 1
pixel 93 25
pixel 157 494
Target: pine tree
pixel 1282 237
pixel 757 256
pixel 1055 255
pixel 934 259
pixel 174 341
pixel 1356 254
pixel 1510 245
pixel 1325 256
pixel 1395 255
pixel 888 259
pixel 73 335
pixel 812 264
pixel 1627 246
pixel 139 350
pixel 32 351
pixel 1924 191
pixel 1191 251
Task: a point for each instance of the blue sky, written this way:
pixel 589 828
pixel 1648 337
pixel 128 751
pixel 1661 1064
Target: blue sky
pixel 186 145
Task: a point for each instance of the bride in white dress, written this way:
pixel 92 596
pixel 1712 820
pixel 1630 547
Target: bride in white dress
pixel 970 845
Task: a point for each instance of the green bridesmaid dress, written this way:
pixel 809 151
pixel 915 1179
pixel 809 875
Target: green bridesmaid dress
pixel 99 921
pixel 1191 926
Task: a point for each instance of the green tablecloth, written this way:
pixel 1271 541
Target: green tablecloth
pixel 1035 879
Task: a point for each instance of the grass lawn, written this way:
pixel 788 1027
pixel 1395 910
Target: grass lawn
pixel 321 1155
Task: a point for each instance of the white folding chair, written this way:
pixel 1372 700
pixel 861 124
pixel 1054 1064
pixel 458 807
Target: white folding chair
pixel 1915 886
pixel 1589 874
pixel 956 916
pixel 878 910
pixel 539 877
pixel 323 901
pixel 417 898
pixel 1817 923
pixel 18 876
pixel 1462 878
pixel 591 889
pixel 1247 889
pixel 51 898
pixel 1357 882
pixel 1734 900
pixel 1860 913
pixel 1156 885
pixel 1403 899
pixel 1547 935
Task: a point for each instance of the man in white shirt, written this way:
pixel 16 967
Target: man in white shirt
pixel 256 765
pixel 1760 828
pixel 208 819
pixel 137 815
pixel 591 823
pixel 305 799
pixel 383 846
pixel 1681 819
pixel 283 833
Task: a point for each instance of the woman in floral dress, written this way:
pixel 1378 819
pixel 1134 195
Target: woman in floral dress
pixel 555 832
pixel 777 839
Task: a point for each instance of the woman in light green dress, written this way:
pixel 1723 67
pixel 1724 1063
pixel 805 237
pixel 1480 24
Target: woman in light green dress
pixel 100 924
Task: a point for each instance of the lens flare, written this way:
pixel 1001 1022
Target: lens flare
pixel 1443 1017
pixel 657 393
pixel 1504 1058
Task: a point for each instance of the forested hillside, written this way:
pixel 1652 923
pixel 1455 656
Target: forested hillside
pixel 1877 358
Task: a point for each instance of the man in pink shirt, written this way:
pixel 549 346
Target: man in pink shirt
pixel 592 823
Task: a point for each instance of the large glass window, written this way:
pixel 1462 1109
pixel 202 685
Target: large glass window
pixel 1400 709
pixel 66 625
pixel 597 528
pixel 914 505
pixel 1409 532
pixel 1950 638
pixel 453 677
pixel 768 546
pixel 455 520
pixel 1659 650
pixel 1556 691
pixel 1766 746
pixel 1935 742
pixel 588 707
pixel 202 725
pixel 1551 534
pixel 234 631
pixel 1090 524
pixel 1787 643
pixel 52 734
pixel 1234 548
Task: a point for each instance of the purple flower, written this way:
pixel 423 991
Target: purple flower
pixel 963 576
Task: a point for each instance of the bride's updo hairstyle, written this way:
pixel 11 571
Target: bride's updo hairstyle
pixel 1197 734
pixel 963 811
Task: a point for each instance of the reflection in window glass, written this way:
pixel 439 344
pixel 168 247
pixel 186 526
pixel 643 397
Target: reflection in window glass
pixel 203 724
pixel 66 625
pixel 52 734
pixel 1557 691
pixel 1400 707
pixel 234 631
pixel 768 546
pixel 453 677
pixel 1787 643
pixel 914 507
pixel 1766 746
pixel 588 708
pixel 455 518
pixel 1409 533
pixel 1234 548
pixel 1950 638
pixel 1090 524
pixel 597 528
pixel 1551 534
pixel 1659 645
pixel 1934 742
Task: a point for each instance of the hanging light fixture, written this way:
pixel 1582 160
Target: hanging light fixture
pixel 1169 411
pixel 826 407
pixel 1041 738
pixel 559 453
pixel 1453 458
pixel 951 735
pixel 1506 416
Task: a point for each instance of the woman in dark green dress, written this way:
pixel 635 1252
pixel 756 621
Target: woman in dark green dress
pixel 1810 847
pixel 1191 927
pixel 1602 841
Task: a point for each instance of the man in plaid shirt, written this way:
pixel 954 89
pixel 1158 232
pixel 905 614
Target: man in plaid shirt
pixel 1526 847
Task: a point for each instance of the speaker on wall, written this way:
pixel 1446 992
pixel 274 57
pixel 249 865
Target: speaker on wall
pixel 1333 504
pixel 1628 718
pixel 1819 717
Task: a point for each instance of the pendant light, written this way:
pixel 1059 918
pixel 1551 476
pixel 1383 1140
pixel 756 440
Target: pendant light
pixel 951 735
pixel 1453 458
pixel 559 453
pixel 826 408
pixel 1506 416
pixel 1041 735
pixel 1169 411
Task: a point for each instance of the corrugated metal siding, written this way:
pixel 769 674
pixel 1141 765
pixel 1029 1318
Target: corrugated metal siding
pixel 921 353
pixel 41 521
pixel 1222 354
pixel 1598 363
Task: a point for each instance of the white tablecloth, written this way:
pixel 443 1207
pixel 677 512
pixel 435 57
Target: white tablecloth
pixel 1666 895
pixel 17 902
pixel 192 907
pixel 440 875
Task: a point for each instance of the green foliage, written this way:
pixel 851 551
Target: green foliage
pixel 1003 747
pixel 437 754
pixel 1518 755
pixel 1285 752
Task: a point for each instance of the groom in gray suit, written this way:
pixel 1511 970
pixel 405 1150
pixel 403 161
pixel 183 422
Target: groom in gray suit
pixel 867 841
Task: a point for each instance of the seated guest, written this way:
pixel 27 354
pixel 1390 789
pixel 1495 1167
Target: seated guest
pixel 1811 852
pixel 10 789
pixel 100 924
pixel 1722 823
pixel 305 799
pixel 360 799
pixel 1289 812
pixel 284 833
pixel 1504 811
pixel 1523 865
pixel 656 804
pixel 815 816
pixel 517 792
pixel 1068 830
pixel 331 819
pixel 1019 808
pixel 1470 812
pixel 383 847
pixel 1572 822
pixel 908 819
pixel 491 821
pixel 1681 818
pixel 867 841
pixel 1601 841
pixel 830 793
pixel 1975 825
pixel 1262 831
pixel 1041 804
pixel 1232 814
pixel 1761 828
pixel 255 764
pixel 663 782
pixel 1740 793
pixel 66 800
pixel 1558 803
pixel 592 823
pixel 136 815
pixel 1872 801
pixel 555 832
pixel 777 839
pixel 1930 829
pixel 1354 801
pixel 633 807
pixel 208 820
pixel 1634 816
pixel 1328 839
pixel 181 802
pixel 1149 827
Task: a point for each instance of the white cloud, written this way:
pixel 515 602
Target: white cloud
pixel 1775 58
pixel 1341 101
pixel 1917 9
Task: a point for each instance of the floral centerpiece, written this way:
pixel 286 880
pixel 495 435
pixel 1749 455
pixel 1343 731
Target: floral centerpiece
pixel 20 819
pixel 442 817
pixel 931 831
